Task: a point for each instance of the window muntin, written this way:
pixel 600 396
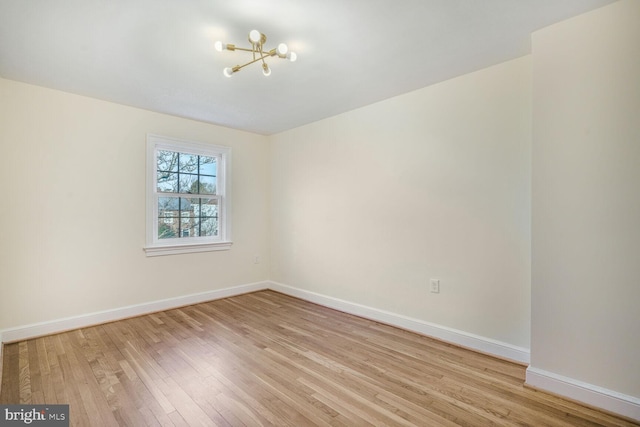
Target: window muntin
pixel 187 196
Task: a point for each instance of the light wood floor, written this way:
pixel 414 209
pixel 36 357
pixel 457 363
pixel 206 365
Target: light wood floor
pixel 269 359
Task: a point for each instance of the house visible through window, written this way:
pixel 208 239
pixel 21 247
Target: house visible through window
pixel 187 181
pixel 168 217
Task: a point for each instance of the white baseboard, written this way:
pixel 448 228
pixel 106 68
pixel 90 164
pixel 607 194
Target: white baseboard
pixel 627 406
pixel 454 336
pixel 609 400
pixel 85 320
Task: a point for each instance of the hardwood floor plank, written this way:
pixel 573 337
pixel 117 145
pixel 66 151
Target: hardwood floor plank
pixel 25 373
pixel 140 368
pixel 55 380
pixel 267 359
pixel 10 375
pixel 70 385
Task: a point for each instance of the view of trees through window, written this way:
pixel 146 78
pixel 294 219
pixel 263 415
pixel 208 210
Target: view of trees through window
pixel 187 202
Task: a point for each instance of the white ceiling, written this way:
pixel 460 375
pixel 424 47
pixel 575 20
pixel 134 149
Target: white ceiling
pixel 159 54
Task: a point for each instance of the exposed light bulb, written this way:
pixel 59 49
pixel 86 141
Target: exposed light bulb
pixel 254 36
pixel 266 70
pixel 228 72
pixel 219 46
pixel 292 56
pixel 282 49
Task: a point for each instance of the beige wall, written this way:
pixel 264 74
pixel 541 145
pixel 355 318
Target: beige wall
pixel 369 205
pixel 586 198
pixel 73 200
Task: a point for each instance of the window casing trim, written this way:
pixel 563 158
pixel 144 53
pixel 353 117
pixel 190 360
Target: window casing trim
pixel 171 246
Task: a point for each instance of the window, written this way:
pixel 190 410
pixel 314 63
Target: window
pixel 187 196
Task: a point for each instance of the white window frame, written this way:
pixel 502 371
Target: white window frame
pixel 181 245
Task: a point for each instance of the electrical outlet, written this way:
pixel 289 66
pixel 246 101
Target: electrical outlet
pixel 435 286
pixel 256 259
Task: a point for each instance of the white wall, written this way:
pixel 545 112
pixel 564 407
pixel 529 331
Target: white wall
pixel 586 199
pixel 72 214
pixel 369 205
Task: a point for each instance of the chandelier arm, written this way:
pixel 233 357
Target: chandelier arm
pixel 272 52
pixel 262 55
pixel 261 58
pixel 244 49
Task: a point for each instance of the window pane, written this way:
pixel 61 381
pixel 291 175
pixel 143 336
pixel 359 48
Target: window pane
pixel 167 231
pixel 188 163
pixel 206 221
pixel 168 205
pixel 207 185
pixel 167 161
pixel 186 220
pixel 207 208
pixel 187 206
pixel 168 182
pixel 209 227
pixel 167 217
pixel 208 166
pixel 189 183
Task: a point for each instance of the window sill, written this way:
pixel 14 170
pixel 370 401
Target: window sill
pixel 159 250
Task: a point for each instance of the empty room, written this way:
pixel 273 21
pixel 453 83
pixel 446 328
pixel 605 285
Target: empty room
pixel 320 213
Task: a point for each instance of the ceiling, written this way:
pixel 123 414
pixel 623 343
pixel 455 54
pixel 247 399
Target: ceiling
pixel 159 54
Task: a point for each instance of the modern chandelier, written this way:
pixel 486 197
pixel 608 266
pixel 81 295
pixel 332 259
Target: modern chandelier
pixel 257 40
